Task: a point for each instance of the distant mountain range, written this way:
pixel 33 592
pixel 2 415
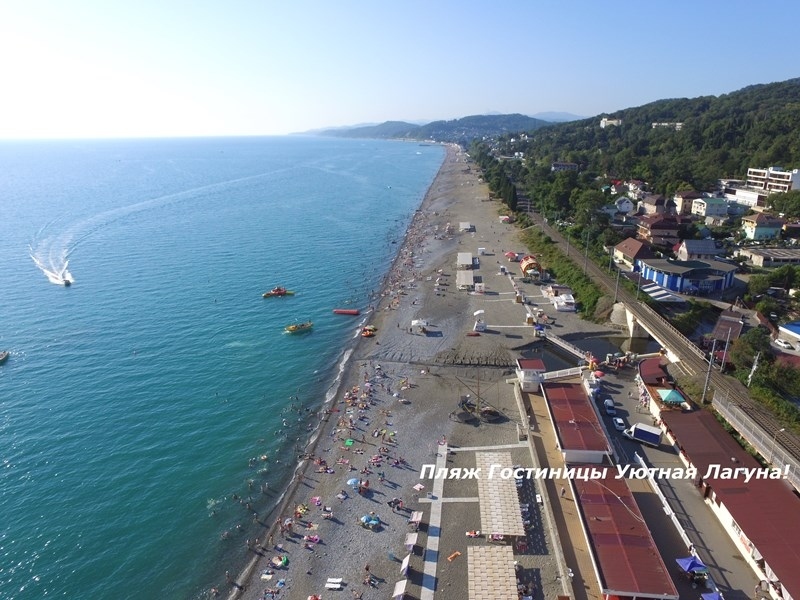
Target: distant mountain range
pixel 462 130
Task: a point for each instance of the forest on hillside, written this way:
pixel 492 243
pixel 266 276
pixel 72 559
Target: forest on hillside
pixel 720 137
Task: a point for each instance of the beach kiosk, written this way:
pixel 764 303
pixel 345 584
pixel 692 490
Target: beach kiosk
pixel 464 260
pixel 465 280
pixel 530 267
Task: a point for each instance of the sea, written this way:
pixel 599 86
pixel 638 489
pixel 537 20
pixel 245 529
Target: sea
pixel 152 410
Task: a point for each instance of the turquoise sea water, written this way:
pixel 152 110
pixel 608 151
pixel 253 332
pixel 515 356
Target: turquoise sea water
pixel 139 400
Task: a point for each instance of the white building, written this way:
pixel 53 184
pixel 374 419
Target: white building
pixel 744 197
pixel 464 260
pixel 710 207
pixel 773 179
pixel 605 122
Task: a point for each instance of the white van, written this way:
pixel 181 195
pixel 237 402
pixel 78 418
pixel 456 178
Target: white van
pixel 608 404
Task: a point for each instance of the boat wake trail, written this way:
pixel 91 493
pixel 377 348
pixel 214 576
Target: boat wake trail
pixel 51 250
pixel 56 269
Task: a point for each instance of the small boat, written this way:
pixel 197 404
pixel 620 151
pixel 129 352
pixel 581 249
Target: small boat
pixel 4 356
pixel 67 283
pixel 346 311
pixel 297 327
pixel 278 291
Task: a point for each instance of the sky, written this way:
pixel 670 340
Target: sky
pixel 175 68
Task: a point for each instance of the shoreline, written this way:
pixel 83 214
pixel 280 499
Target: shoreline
pixel 343 373
pixel 395 402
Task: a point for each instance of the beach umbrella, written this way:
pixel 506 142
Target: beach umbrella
pixel 349 442
pixel 539 328
pixel 288 522
pixel 599 374
pixel 511 255
pixel 353 481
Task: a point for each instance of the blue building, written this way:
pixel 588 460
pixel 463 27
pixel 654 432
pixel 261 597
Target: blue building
pixel 689 276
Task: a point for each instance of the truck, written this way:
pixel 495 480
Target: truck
pixel 646 434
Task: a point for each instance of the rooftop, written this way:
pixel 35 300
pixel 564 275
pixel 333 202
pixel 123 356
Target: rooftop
pixel 764 509
pixel 701 246
pixel 652 372
pixel 629 562
pixel 681 267
pixel 793 327
pixel 531 364
pixel 784 253
pixel 575 418
pixel 633 248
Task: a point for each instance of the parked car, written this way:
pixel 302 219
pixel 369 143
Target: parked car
pixel 608 404
pixel 784 344
pixel 619 424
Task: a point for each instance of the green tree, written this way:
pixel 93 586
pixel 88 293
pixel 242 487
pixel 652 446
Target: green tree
pixel 744 349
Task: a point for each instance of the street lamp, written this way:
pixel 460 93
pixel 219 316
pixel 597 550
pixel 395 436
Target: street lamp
pixel 774 440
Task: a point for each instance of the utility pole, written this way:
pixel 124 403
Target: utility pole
pixel 753 370
pixel 638 284
pixel 725 353
pixel 616 286
pixel 708 374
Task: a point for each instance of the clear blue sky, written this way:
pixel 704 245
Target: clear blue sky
pixel 117 68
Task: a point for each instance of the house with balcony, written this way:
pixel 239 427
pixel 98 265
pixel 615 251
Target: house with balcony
pixel 659 231
pixel 762 226
pixel 655 204
pixel 773 179
pixel 710 207
pixel 683 201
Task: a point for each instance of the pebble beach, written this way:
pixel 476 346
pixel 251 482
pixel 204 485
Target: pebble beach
pixel 341 532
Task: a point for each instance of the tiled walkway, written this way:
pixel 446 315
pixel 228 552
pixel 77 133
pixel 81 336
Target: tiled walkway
pixel 491 573
pixel 500 513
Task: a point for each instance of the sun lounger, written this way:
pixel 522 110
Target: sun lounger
pixel 334 584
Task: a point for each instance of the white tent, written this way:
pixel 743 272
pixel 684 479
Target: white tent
pixel 399 589
pixel 404 565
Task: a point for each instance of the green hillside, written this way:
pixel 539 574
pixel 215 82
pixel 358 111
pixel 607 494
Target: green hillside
pixel 461 131
pixel 720 137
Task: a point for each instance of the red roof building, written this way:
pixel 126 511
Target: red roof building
pixel 761 515
pixel 628 560
pixel 580 435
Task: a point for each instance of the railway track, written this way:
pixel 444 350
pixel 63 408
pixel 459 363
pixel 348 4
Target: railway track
pixel 692 358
